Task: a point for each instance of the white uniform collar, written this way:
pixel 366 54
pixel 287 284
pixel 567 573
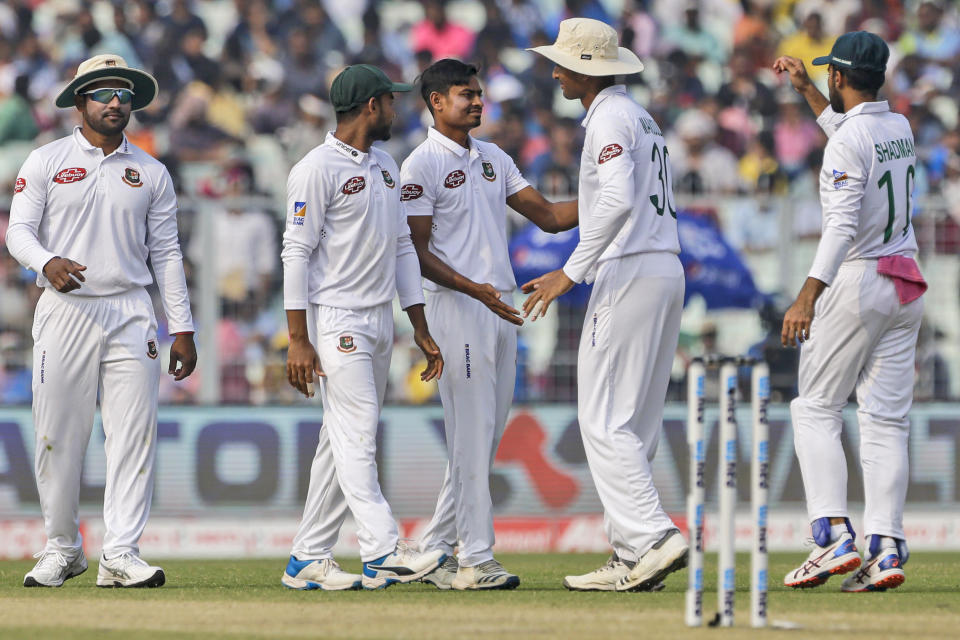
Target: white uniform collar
pixel 346 150
pixel 435 135
pixel 86 146
pixel 868 107
pixel 603 95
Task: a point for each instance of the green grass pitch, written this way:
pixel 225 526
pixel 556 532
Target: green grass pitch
pixel 244 599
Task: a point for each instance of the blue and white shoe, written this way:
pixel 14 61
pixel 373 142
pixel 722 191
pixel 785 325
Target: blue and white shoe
pixel 403 565
pixel 882 569
pixel 828 558
pixel 323 574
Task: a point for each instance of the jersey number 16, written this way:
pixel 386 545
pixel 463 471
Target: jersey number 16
pixel 887 179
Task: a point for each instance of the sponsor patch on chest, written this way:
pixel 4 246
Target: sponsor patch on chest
pixel 609 152
pixel 73 174
pixel 354 185
pixel 454 179
pixel 410 192
pixel 131 177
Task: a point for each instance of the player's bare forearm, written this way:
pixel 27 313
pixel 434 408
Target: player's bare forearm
pixel 799 317
pixel 436 270
pixel 551 217
pixel 801 82
pixel 302 359
pixel 421 335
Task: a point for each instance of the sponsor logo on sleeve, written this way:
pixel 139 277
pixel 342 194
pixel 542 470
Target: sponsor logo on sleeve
pixel 299 213
pixel 454 179
pixel 840 179
pixel 152 352
pixel 73 174
pixel 347 344
pixel 488 173
pixel 609 152
pixel 131 177
pixel 410 192
pixel 20 185
pixel 388 179
pixel 354 185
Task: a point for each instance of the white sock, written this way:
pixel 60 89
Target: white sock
pixel 886 542
pixel 837 530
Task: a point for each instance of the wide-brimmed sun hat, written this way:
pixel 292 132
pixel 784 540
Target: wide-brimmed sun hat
pixel 590 47
pixel 110 67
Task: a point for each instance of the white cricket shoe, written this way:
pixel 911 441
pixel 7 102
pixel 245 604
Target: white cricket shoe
pixel 602 579
pixel 128 570
pixel 54 568
pixel 404 565
pixel 486 575
pixel 669 554
pixel 442 577
pixel 323 574
pixel 839 557
pixel 883 571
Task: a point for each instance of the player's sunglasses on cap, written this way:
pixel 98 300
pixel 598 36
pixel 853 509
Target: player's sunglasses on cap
pixel 104 96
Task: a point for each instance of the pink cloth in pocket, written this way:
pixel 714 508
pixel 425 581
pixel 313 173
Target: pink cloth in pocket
pixel 906 276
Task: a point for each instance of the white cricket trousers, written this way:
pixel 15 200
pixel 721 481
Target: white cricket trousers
pixel 480 367
pixel 861 338
pixel 354 347
pixel 85 346
pixel 629 338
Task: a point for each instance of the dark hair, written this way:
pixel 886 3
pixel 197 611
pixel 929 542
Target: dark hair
pixel 442 75
pixel 862 80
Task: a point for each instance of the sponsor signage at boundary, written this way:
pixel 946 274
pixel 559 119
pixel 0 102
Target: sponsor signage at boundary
pixel 232 481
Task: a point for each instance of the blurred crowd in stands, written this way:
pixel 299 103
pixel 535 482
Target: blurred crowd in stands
pixel 243 95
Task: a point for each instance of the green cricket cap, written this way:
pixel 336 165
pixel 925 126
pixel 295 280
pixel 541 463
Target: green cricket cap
pixel 358 83
pixel 857 50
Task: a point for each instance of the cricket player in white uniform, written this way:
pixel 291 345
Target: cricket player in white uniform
pixel 456 190
pixel 857 318
pixel 346 253
pixel 88 211
pixel 628 248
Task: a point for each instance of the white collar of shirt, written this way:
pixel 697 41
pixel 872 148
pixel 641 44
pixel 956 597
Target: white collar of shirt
pixel 617 89
pixel 455 147
pixel 84 144
pixel 345 150
pixel 868 107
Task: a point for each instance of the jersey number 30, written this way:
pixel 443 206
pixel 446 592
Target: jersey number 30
pixel 663 175
pixel 887 179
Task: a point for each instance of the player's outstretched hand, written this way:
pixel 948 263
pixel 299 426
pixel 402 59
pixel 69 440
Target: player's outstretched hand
pixel 183 356
pixel 794 67
pixel 488 295
pixel 64 274
pixel 302 363
pixel 430 349
pixel 544 290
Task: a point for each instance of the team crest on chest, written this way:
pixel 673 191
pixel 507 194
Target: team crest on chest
pixel 388 179
pixel 488 172
pixel 354 185
pixel 152 349
pixel 73 174
pixel 454 179
pixel 346 344
pixel 132 177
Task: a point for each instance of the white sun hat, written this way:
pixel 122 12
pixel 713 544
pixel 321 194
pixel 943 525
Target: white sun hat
pixel 590 47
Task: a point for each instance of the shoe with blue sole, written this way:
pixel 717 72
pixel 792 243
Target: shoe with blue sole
pixel 323 574
pixel 402 566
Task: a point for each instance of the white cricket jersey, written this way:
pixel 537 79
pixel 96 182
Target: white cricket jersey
pixel 866 187
pixel 347 243
pixel 465 191
pixel 107 213
pixel 626 187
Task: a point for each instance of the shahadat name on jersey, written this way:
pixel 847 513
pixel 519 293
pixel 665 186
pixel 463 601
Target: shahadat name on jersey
pixel 894 149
